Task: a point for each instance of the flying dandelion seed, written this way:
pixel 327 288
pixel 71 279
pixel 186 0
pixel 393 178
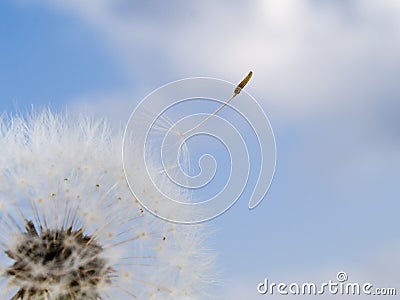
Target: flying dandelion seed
pixel 248 142
pixel 69 228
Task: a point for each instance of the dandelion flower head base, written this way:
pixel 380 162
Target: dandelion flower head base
pixel 60 262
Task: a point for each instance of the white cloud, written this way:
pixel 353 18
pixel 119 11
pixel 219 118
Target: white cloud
pixel 307 56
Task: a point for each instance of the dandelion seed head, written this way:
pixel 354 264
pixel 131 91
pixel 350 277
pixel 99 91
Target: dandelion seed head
pixel 71 229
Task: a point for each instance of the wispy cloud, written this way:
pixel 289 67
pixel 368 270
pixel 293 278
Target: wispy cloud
pixel 308 56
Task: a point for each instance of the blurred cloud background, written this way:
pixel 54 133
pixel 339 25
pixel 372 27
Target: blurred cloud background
pixel 325 72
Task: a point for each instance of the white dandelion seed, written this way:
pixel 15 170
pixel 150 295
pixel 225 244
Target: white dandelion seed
pixel 69 227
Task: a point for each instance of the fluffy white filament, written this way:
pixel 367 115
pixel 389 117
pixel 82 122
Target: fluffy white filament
pixel 60 172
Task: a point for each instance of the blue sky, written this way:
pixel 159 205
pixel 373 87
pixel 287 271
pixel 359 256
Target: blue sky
pixel 325 73
pixel 38 63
